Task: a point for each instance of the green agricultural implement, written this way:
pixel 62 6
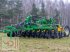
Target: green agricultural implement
pixel 37 28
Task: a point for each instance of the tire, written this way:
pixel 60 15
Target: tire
pixel 52 35
pixel 33 34
pixel 28 34
pixel 42 35
pixel 60 35
pixel 13 34
pixel 18 34
pixel 66 31
pixel 48 34
pixel 56 34
pixel 23 34
pixel 8 34
pixel 38 34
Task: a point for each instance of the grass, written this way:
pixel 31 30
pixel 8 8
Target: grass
pixel 43 45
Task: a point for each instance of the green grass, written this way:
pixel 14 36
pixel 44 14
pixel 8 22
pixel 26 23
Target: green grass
pixel 43 45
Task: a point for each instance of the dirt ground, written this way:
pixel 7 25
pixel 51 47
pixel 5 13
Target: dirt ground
pixel 42 45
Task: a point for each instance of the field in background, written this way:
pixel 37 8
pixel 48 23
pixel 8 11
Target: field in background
pixel 42 45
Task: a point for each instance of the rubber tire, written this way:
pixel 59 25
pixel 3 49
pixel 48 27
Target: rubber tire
pixel 8 34
pixel 13 34
pixel 60 35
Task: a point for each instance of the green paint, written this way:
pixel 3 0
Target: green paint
pixel 29 24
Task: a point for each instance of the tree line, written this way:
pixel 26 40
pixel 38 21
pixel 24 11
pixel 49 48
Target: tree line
pixel 15 11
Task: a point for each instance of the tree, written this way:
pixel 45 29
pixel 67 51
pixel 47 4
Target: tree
pixel 42 9
pixel 57 16
pixel 42 13
pixel 18 11
pixel 2 7
pixel 34 10
pixel 3 4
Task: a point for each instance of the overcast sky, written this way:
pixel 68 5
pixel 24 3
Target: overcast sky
pixel 65 1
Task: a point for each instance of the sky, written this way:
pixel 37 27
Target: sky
pixel 65 1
